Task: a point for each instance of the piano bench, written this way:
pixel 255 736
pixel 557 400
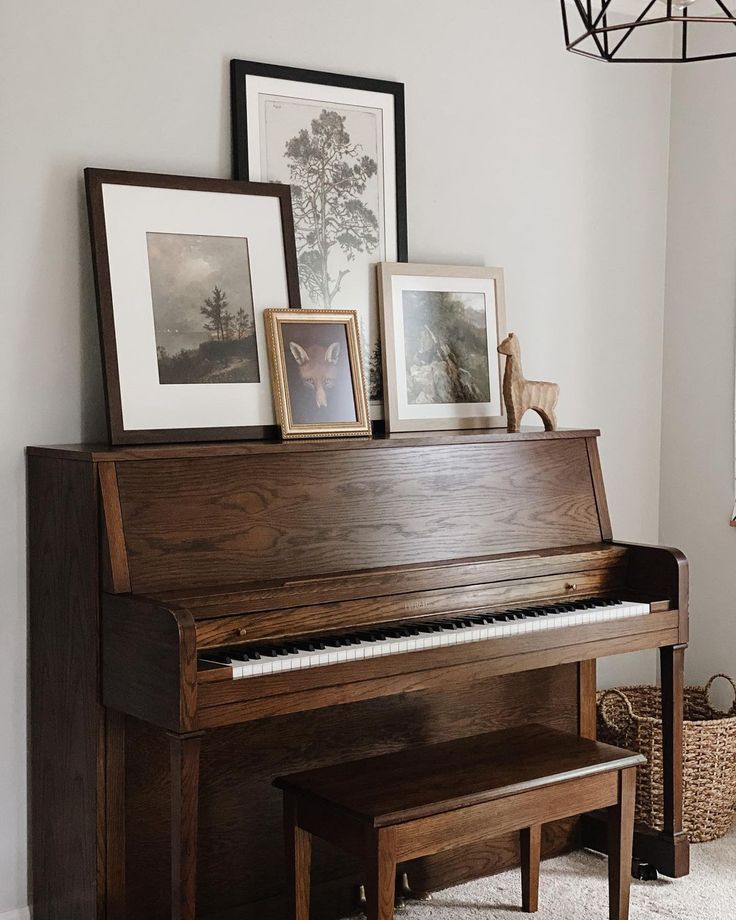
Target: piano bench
pixel 401 806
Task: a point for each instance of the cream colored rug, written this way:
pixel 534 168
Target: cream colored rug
pixel 575 888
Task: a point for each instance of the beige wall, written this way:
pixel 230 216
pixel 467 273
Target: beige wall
pixel 518 155
pixel 698 394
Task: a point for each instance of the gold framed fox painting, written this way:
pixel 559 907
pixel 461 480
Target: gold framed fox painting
pixel 317 373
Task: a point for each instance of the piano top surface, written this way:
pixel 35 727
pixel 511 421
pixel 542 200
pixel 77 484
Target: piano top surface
pixel 96 452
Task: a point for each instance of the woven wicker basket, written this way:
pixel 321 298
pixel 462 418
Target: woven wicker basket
pixel 630 717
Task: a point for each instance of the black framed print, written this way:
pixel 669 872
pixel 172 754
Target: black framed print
pixel 339 142
pixel 184 270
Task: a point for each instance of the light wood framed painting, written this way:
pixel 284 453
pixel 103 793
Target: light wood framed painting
pixel 441 326
pixel 338 140
pixel 317 373
pixel 184 268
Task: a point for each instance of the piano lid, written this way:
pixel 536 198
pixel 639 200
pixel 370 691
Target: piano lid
pixel 175 522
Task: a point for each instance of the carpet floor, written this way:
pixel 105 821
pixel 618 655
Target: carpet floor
pixel 574 887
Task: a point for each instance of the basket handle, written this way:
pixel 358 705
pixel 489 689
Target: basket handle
pixel 733 687
pixel 611 702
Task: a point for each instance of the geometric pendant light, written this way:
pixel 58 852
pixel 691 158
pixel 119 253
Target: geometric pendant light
pixel 704 30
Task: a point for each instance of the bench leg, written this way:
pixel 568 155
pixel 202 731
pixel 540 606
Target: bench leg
pixel 298 851
pixel 381 874
pixel 620 843
pixel 531 852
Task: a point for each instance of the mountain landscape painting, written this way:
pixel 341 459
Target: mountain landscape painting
pixel 445 347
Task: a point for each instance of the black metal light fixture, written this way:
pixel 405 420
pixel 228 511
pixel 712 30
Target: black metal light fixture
pixel 607 30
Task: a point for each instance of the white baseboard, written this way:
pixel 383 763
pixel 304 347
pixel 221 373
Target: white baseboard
pixel 20 913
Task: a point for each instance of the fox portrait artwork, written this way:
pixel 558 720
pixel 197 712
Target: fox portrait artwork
pixel 318 372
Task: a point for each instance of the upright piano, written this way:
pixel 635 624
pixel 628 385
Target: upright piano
pixel 206 617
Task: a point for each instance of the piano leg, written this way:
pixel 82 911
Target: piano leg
pixel 115 815
pixel 184 817
pixel 672 666
pixel 667 850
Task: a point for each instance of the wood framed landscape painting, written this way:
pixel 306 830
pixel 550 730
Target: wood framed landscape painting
pixel 317 373
pixel 339 142
pixel 184 269
pixel 441 327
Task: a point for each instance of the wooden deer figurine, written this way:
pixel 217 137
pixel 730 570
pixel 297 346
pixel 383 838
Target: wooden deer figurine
pixel 520 394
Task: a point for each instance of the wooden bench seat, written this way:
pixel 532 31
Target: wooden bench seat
pixel 413 803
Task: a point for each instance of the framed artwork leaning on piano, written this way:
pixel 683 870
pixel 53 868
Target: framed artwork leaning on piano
pixel 440 327
pixel 184 268
pixel 317 373
pixel 338 141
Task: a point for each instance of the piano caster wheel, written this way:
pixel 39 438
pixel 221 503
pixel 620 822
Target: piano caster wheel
pixel 644 872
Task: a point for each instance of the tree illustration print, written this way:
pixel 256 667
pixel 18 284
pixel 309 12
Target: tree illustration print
pixel 329 175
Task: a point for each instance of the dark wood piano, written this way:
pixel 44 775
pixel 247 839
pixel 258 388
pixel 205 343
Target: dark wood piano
pixel 205 617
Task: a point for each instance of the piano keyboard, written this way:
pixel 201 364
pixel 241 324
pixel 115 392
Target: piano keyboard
pixel 417 636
